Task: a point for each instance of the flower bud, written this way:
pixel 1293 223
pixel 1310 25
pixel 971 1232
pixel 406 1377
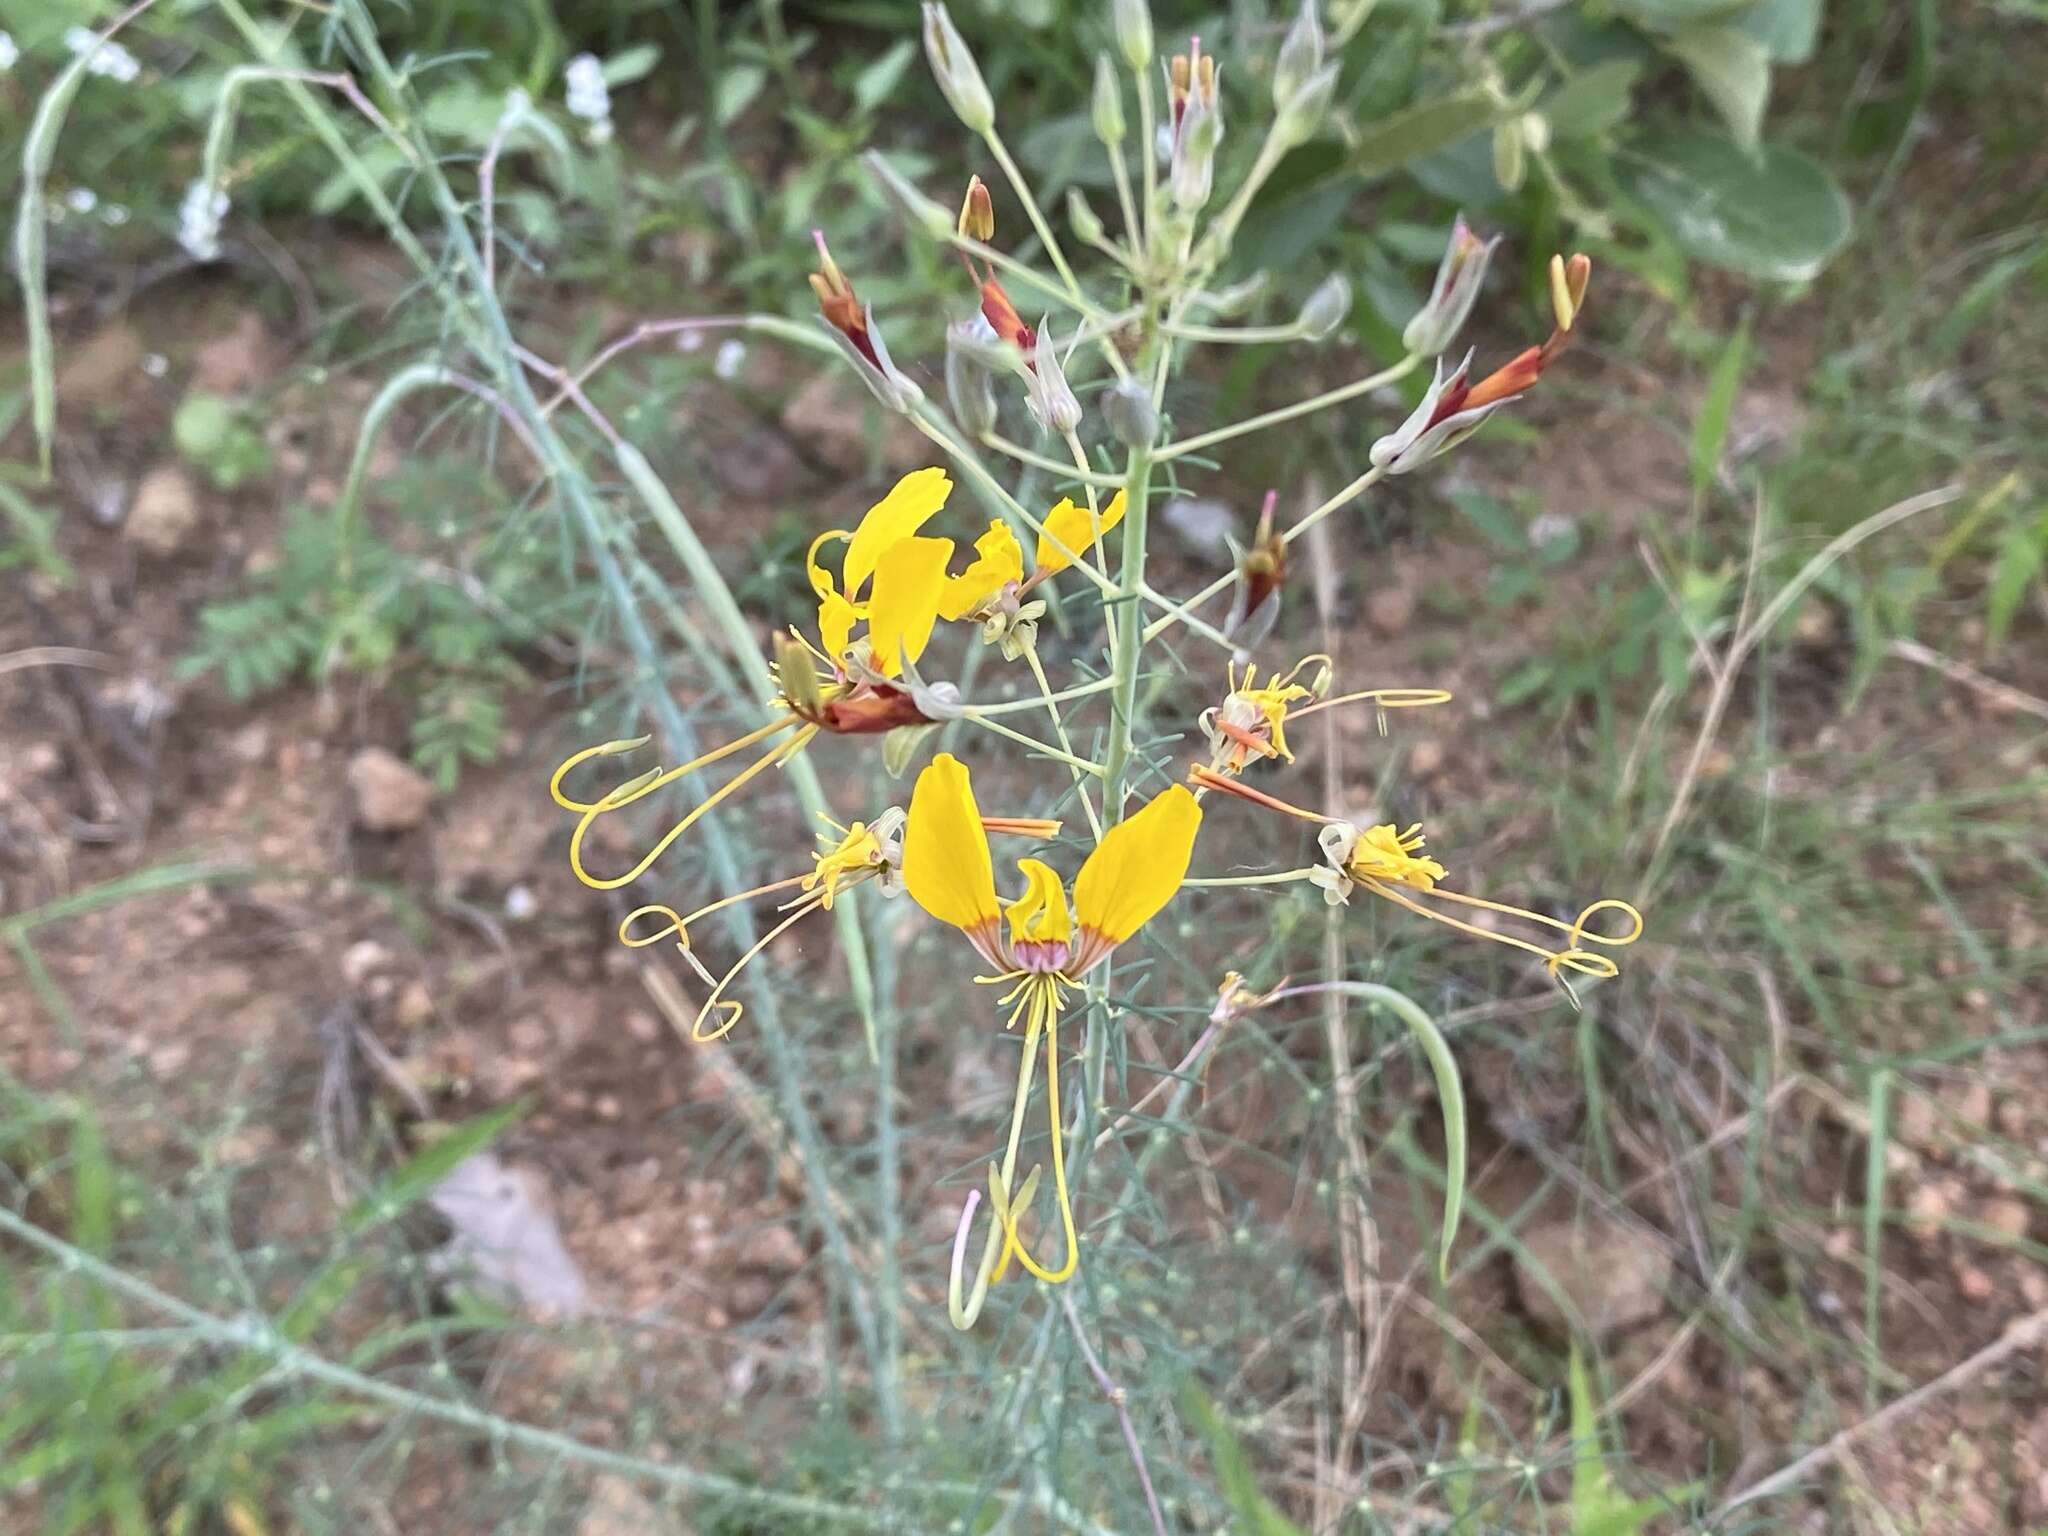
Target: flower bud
pixel 1193 170
pixel 1087 227
pixel 977 212
pixel 1302 114
pixel 955 70
pixel 921 212
pixel 1568 281
pixel 1052 401
pixel 1133 20
pixel 1109 103
pixel 1226 303
pixel 1326 308
pixel 1509 166
pixel 1133 419
pixel 970 388
pixel 1459 277
pixel 1536 132
pixel 1300 56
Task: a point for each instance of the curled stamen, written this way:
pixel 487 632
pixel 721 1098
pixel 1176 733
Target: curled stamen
pixel 731 1010
pixel 1385 698
pixel 964 1312
pixel 1046 1008
pixel 637 789
pixel 1572 958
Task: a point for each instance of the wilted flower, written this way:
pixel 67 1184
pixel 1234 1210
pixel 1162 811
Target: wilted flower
pixel 1458 280
pixel 1196 121
pixel 854 327
pixel 1451 410
pixel 1052 401
pixel 104 57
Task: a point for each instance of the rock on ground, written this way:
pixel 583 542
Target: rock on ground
pixel 1614 1278
pixel 390 794
pixel 165 512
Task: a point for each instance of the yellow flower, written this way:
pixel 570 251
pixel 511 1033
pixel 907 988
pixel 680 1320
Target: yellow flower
pixel 1381 853
pixel 1042 945
pixel 908 575
pixel 998 561
pixel 1390 863
pixel 1069 530
pixel 1252 720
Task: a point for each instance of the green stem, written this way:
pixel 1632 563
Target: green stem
pixel 1273 418
pixel 1130 638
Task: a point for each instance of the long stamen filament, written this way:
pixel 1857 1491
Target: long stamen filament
pixel 1386 698
pixel 732 1008
pixel 781 753
pixel 1208 778
pixel 964 1312
pixel 612 800
pixel 1047 1008
pixel 1572 958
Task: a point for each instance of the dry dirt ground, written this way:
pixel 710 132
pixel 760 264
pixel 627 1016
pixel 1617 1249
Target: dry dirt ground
pixel 241 1023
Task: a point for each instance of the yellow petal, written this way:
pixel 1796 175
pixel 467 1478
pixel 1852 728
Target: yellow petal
pixel 998 561
pixel 946 866
pixel 1070 525
pixel 908 581
pixel 821 579
pixel 1040 915
pixel 836 618
pixel 907 508
pixel 1138 866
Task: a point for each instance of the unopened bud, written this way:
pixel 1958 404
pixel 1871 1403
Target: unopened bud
pixel 977 212
pixel 1459 278
pixel 1133 419
pixel 1226 303
pixel 1509 168
pixel 1194 151
pixel 970 388
pixel 1133 20
pixel 1052 401
pixel 1109 103
pixel 921 212
pixel 1300 56
pixel 1568 282
pixel 955 70
pixel 1326 307
pixel 1536 132
pixel 1302 113
pixel 1087 227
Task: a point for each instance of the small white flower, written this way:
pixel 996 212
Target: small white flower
pixel 114 215
pixel 588 96
pixel 732 354
pixel 81 199
pixel 108 58
pixel 199 221
pixel 9 52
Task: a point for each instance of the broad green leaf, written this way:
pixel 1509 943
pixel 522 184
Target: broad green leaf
pixel 737 88
pixel 416 1178
pixel 1788 29
pixel 1675 15
pixel 877 83
pixel 1393 141
pixel 1733 70
pixel 1710 432
pixel 1593 100
pixel 1778 216
pixel 630 64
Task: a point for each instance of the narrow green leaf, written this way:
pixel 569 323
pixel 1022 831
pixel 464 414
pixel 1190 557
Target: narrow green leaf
pixel 416 1177
pixel 1877 1148
pixel 1234 1480
pixel 2019 562
pixel 1400 137
pixel 1710 432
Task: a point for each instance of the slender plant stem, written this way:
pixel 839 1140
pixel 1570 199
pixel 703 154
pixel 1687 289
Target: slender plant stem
pixel 1022 187
pixel 1306 407
pixel 1017 706
pixel 1059 727
pixel 1130 638
pixel 1060 467
pixel 1120 1401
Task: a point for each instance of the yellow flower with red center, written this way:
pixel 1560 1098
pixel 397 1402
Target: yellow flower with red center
pixel 1039 942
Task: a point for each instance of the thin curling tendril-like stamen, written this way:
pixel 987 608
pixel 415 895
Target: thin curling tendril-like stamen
pixel 964 1313
pixel 1385 698
pixel 781 753
pixel 733 1009
pixel 1049 1012
pixel 611 801
pixel 1581 962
